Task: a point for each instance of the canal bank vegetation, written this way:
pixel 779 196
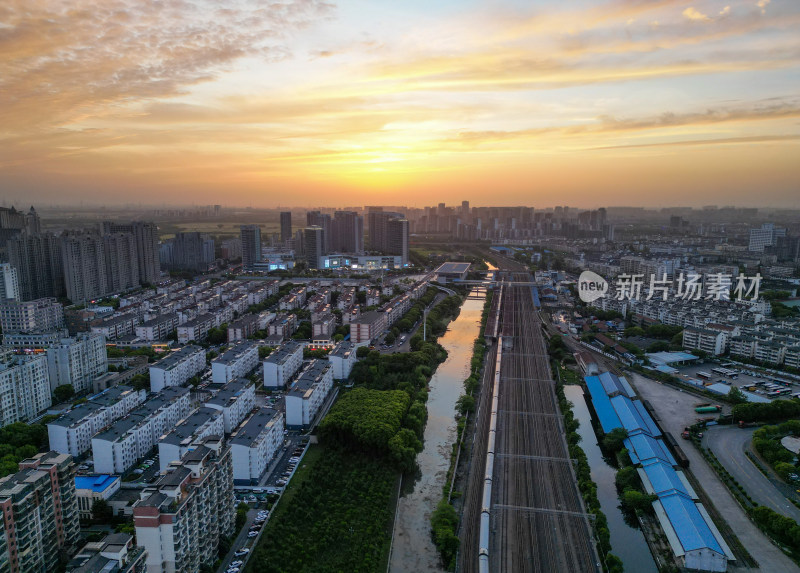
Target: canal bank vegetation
pixel 445 519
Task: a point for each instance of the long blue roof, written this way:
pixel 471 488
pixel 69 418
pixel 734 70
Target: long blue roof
pixel 690 527
pixel 602 405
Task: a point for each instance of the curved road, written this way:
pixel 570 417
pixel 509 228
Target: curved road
pixel 729 444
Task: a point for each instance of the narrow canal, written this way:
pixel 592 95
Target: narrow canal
pixel 412 548
pixel 627 543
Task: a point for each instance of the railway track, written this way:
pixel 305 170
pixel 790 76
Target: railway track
pixel 536 518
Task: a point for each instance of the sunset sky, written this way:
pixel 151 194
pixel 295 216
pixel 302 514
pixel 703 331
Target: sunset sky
pixel 640 102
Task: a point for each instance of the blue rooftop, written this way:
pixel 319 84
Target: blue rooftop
pixel 97 483
pixel 643 448
pixel 690 527
pixel 633 416
pixel 664 479
pixel 602 404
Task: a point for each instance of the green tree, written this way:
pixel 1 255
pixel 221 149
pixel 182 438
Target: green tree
pixel 736 396
pixel 613 441
pixel 63 392
pixel 101 511
pixel 465 404
pixel 403 448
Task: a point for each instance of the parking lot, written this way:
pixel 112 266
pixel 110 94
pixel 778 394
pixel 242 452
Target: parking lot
pixel 743 381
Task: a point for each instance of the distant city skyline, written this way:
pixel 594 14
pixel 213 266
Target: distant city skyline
pixel 597 102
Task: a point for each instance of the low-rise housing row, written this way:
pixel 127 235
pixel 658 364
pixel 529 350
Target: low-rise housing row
pixel 281 365
pixel 308 393
pixel 177 367
pixel 236 362
pixel 255 444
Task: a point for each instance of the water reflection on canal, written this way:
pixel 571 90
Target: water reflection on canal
pixel 626 542
pixel 413 549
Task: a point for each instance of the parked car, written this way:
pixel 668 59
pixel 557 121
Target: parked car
pixel 242 552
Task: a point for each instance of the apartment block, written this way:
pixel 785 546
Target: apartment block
pixel 235 400
pixel 40 315
pixel 158 328
pixel 9 282
pixel 196 329
pixel 40 513
pixel 202 423
pixel 180 520
pixel 118 326
pixel 24 387
pixel 308 393
pixel 130 439
pixel 177 367
pixel 710 341
pixel 255 444
pixel 324 327
pixel 243 328
pixel 284 325
pixel 368 327
pixel 71 433
pixel 342 359
pixel 236 362
pixel 282 364
pixel 77 361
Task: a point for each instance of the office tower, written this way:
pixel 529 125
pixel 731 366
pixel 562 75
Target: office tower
pixel 146 239
pixel 314 248
pixel 251 245
pixel 40 513
pixel 39 265
pixel 84 263
pixel 323 221
pixel 397 238
pixel 77 361
pixel 24 387
pixel 40 315
pixel 122 268
pixel 286 226
pixel 299 245
pixel 465 208
pixel 182 517
pixel 766 236
pixel 347 232
pixel 9 282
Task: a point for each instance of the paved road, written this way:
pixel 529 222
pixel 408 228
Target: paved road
pixel 676 409
pixel 729 445
pixel 240 541
pixel 406 346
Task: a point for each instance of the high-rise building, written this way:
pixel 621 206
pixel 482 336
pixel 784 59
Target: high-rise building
pixel 9 282
pixel 465 208
pixel 122 267
pixel 84 264
pixel 313 246
pixel 192 251
pixel 146 238
pixel 388 233
pixel 347 232
pixel 40 513
pixel 323 221
pixel 40 268
pixel 251 245
pixel 13 223
pixel 180 520
pixel 24 387
pixel 397 238
pixel 77 361
pixel 286 226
